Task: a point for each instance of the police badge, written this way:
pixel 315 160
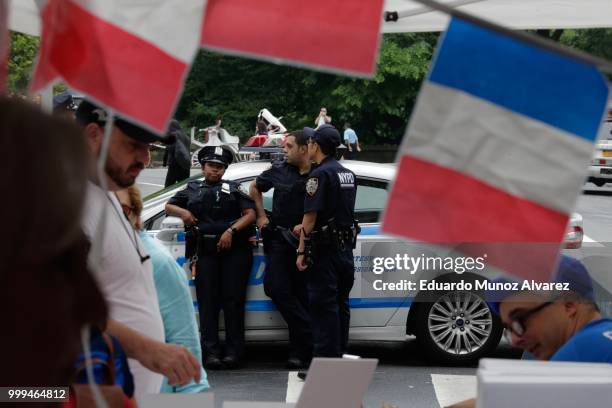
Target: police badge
pixel 312 185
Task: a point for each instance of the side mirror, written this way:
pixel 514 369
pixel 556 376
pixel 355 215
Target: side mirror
pixel 169 228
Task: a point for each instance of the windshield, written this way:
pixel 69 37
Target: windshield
pixel 172 187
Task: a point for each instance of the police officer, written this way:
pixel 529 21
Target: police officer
pixel 327 240
pixel 283 283
pixel 222 216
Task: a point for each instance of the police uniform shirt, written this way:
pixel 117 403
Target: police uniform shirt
pixel 215 206
pixel 288 201
pixel 330 191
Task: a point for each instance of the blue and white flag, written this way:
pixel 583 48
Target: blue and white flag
pixel 498 146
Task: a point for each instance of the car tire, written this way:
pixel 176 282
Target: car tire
pixel 439 322
pixel 599 182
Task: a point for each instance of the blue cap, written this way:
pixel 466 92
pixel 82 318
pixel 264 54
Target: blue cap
pixel 570 271
pixel 325 135
pixel 63 100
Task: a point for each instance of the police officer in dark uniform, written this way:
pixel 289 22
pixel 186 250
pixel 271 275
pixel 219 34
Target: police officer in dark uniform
pixel 329 233
pixel 221 218
pixel 283 283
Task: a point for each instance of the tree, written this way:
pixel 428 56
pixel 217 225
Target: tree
pixel 236 89
pixel 21 59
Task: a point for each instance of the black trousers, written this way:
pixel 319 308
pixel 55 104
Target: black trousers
pixel 221 283
pixel 175 174
pixel 352 155
pixel 330 281
pixel 286 286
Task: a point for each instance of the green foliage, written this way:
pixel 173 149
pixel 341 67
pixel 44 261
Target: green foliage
pixel 596 41
pixel 236 89
pixel 21 59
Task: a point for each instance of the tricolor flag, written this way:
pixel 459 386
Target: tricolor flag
pixel 4 43
pixel 332 35
pixel 497 149
pixel 130 56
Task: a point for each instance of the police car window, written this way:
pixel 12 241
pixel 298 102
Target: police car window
pixel 154 223
pixel 267 196
pixel 370 200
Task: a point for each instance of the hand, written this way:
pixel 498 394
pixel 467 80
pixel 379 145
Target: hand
pixel 297 230
pixel 262 222
pixel 173 361
pixel 189 219
pixel 300 262
pixel 225 242
pixel 350 149
pixel 358 148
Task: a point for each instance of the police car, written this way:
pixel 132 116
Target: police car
pixel 453 326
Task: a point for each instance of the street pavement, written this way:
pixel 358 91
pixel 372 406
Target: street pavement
pixel 403 378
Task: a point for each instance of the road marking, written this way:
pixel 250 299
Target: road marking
pixel 294 387
pixel 451 389
pixel 586 238
pixel 150 184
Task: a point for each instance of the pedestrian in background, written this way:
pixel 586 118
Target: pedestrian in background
pixel 177 155
pixel 351 141
pixel 223 216
pixel 283 282
pixel 320 119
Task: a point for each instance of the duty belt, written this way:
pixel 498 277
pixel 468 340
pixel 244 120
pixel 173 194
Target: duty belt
pixel 284 232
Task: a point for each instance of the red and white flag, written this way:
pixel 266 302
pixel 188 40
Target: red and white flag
pixel 4 44
pixel 331 35
pixel 130 56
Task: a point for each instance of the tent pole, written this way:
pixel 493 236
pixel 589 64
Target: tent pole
pixel 602 64
pixel 396 15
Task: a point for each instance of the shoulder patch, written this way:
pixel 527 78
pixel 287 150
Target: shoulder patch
pixel 312 185
pixel 243 190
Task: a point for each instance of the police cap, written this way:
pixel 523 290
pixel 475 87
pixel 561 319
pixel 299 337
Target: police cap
pixel 325 135
pixel 215 154
pixel 88 112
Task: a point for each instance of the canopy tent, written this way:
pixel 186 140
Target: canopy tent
pixel 518 14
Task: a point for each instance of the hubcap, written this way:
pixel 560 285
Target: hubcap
pixel 460 322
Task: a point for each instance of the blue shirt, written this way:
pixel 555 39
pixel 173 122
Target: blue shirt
pixel 176 307
pixel 591 344
pixel 350 135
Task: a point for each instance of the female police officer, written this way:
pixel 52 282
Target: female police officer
pixel 223 216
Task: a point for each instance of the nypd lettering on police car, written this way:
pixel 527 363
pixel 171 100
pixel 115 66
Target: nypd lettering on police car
pixel 347 179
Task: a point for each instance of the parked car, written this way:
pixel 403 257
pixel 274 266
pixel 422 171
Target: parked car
pixel 374 316
pixel 600 171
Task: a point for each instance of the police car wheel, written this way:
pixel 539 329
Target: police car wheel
pixel 457 327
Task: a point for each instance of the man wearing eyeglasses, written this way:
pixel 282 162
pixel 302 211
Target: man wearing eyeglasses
pixel 559 326
pixel 563 326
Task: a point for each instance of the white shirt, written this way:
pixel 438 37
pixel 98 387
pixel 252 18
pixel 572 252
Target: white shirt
pixel 127 284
